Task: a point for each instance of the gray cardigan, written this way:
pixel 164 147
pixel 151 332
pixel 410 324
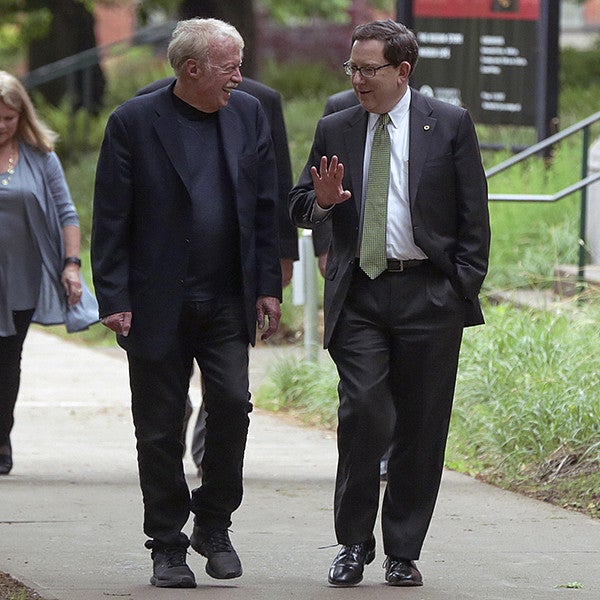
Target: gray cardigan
pixel 44 171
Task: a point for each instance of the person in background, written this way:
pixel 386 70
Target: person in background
pixel 39 245
pixel 186 263
pixel 401 180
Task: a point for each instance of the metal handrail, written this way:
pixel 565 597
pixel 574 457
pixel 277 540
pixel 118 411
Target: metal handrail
pixel 546 143
pixel 582 185
pixel 86 60
pixel 89 58
pixel 547 197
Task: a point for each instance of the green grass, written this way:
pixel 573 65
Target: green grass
pixel 528 394
pixel 307 390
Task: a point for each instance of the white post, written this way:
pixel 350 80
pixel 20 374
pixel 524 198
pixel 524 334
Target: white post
pixel 592 222
pixel 311 310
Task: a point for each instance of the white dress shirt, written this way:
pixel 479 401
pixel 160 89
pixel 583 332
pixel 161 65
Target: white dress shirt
pixel 400 243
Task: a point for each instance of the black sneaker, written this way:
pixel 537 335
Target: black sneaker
pixel 6 463
pixel 169 568
pixel 223 561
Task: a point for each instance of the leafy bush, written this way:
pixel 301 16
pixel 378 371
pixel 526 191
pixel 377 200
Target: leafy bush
pixel 127 73
pixel 80 178
pixel 296 80
pixel 579 68
pixel 79 131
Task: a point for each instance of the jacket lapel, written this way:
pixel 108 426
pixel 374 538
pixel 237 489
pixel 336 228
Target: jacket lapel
pixel 167 126
pixel 229 130
pixel 354 136
pixel 422 126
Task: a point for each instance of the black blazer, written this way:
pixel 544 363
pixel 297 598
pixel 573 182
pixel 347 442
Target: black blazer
pixel 270 101
pixel 447 190
pixel 142 214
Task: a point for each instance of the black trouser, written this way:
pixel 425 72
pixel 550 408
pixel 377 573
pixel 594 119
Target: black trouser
pixel 214 334
pixel 11 348
pixel 396 348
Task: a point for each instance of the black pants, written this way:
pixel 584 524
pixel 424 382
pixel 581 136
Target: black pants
pixel 11 348
pixel 396 347
pixel 213 333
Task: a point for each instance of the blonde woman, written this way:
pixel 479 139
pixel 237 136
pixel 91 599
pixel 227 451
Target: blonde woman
pixel 39 245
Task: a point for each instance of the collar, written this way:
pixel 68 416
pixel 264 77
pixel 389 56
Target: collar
pixel 396 114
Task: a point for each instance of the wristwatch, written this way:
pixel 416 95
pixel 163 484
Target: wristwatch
pixel 72 260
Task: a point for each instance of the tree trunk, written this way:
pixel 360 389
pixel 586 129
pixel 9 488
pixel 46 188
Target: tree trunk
pixel 71 31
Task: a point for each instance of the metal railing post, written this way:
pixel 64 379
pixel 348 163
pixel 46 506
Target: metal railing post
pixel 583 211
pixel 311 309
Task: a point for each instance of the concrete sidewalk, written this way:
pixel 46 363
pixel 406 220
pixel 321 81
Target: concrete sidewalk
pixel 71 514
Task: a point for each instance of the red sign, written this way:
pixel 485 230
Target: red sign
pixel 522 10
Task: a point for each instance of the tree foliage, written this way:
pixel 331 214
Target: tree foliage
pixel 300 11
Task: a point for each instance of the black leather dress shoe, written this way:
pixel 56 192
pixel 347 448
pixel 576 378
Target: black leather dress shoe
pixel 348 566
pixel 402 572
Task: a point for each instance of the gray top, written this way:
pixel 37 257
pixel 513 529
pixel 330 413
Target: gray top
pixel 35 206
pixel 20 259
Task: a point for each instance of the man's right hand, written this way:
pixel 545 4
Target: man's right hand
pixel 118 322
pixel 327 181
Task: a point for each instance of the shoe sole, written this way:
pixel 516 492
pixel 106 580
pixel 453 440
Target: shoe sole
pixel 405 583
pixel 185 582
pixel 214 575
pixel 368 560
pixel 344 585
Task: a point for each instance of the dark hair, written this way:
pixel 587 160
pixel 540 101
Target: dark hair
pixel 400 43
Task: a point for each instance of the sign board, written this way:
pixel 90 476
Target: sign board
pixel 490 56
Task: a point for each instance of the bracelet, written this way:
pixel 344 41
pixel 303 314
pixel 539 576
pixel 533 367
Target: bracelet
pixel 74 260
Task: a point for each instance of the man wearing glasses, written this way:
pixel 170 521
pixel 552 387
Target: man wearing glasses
pixel 401 181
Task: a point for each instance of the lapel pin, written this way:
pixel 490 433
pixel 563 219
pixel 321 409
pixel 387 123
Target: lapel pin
pixel 426 127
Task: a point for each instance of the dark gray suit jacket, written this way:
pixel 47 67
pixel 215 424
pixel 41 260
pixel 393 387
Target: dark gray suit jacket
pixel 447 191
pixel 336 102
pixel 143 215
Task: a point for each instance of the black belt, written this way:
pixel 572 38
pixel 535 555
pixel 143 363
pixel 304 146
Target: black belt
pixel 397 266
pixel 400 265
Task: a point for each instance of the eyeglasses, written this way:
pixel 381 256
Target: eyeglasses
pixel 366 72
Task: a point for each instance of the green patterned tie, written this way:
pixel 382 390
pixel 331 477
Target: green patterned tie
pixel 372 248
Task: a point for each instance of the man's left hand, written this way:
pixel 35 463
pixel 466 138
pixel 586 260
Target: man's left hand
pixel 287 271
pixel 269 307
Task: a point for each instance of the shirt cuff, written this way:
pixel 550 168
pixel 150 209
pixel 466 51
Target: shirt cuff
pixel 319 214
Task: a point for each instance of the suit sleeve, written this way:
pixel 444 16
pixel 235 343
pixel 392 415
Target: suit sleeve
pixel 303 196
pixel 288 235
pixel 321 234
pixel 473 239
pixel 113 199
pixel 268 268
